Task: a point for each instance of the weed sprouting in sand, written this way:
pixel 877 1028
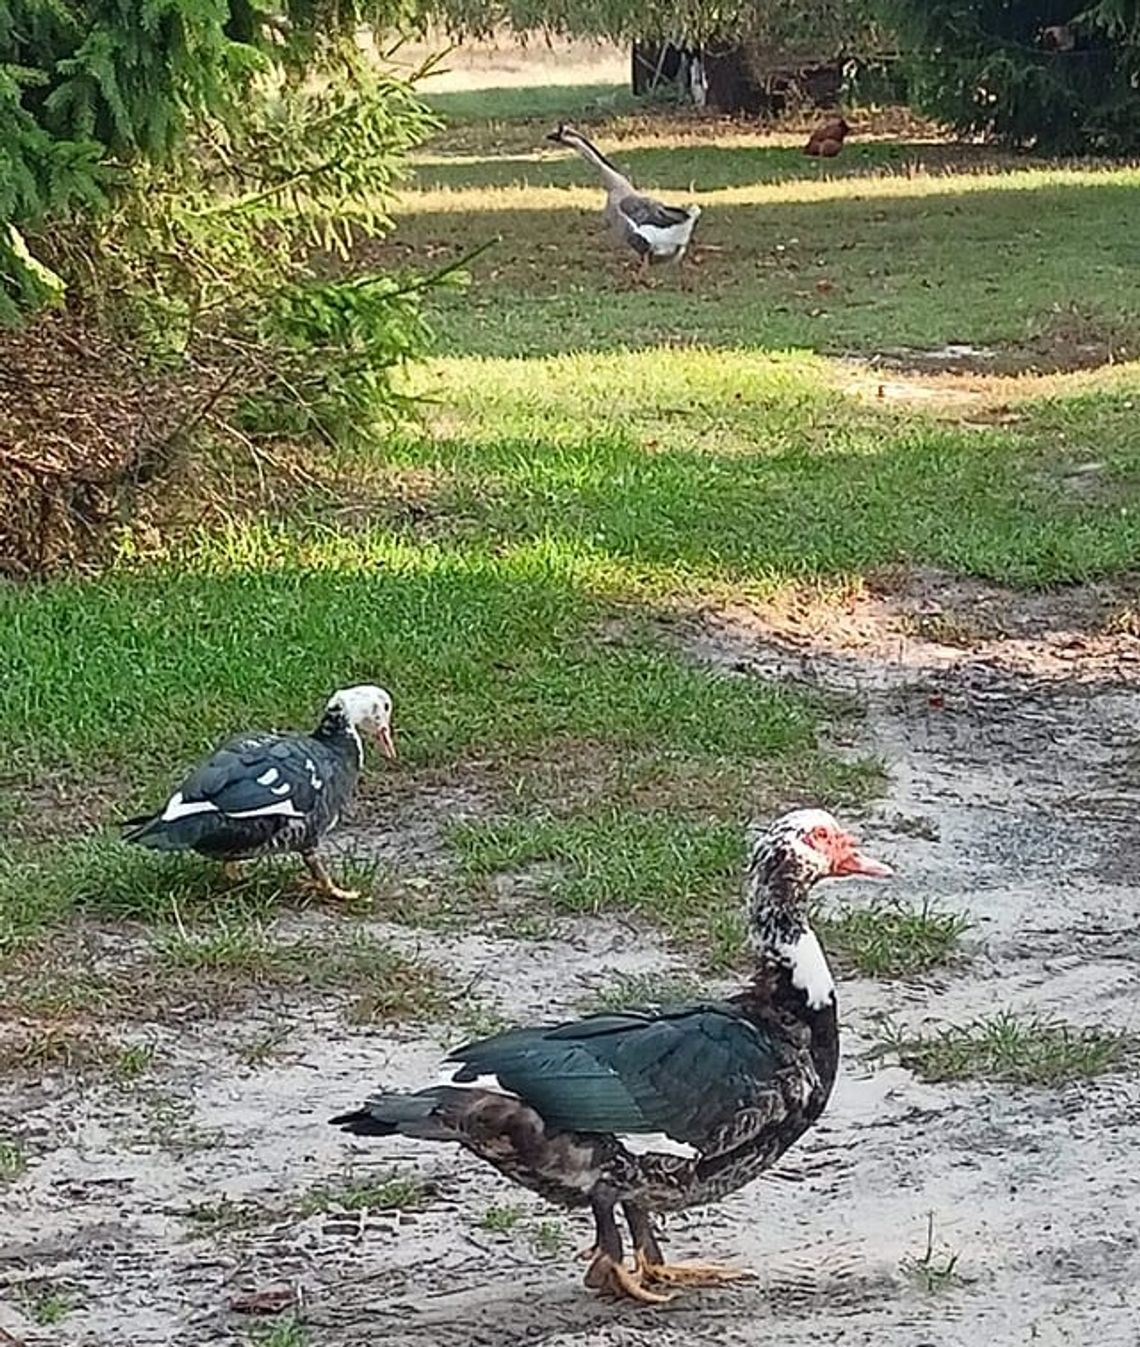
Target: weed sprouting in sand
pixel 933 1271
pixel 1022 1049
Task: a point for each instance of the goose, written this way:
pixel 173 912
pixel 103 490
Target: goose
pixel 655 232
pixel 262 792
pixel 654 1110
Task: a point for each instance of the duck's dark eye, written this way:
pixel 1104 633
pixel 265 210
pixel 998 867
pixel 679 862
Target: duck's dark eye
pixel 819 834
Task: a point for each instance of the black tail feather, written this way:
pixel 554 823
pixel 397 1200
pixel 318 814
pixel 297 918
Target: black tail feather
pixel 361 1123
pixel 133 829
pixel 430 1115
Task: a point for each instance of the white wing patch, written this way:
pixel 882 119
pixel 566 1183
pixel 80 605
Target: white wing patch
pixel 177 807
pixel 314 778
pixel 669 238
pixel 283 807
pixel 268 777
pixel 644 1143
pixel 810 972
pixel 283 789
pixel 489 1082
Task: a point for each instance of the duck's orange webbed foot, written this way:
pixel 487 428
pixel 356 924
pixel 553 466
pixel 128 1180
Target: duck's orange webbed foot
pixel 320 882
pixel 687 1274
pixel 616 1279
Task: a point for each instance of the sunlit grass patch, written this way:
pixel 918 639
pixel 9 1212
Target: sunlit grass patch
pixel 868 254
pixel 492 105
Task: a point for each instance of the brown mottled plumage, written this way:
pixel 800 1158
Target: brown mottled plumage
pixel 594 1112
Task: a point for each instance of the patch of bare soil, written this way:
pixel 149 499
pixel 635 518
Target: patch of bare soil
pixel 156 1206
pixel 1071 341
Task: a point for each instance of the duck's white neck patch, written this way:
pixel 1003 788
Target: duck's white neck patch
pixel 356 739
pixel 810 973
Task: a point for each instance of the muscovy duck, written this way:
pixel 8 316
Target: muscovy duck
pixel 657 1110
pixel 655 232
pixel 261 792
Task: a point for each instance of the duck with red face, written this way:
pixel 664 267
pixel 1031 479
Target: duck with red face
pixel 657 1109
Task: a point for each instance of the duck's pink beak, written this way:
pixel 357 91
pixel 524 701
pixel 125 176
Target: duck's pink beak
pixel 851 861
pixel 386 742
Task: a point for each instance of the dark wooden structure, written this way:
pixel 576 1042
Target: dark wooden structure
pixel 732 79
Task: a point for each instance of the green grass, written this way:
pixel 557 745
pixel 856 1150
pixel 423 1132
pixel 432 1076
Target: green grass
pixel 1028 1049
pixel 488 108
pixel 763 474
pixel 386 985
pixel 393 1190
pixel 891 939
pixel 383 986
pixel 13 1160
pixel 546 1238
pixel 549 1239
pixel 505 634
pixel 286 1332
pixel 907 260
pixel 208 946
pixel 933 1271
pixel 632 990
pixel 680 875
pixel 46 1304
pixel 710 168
pixel 224 1215
pixel 501 1218
pixel 396 1191
pixel 526 570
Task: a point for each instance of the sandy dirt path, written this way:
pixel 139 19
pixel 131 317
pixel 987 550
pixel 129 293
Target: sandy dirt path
pixel 1013 792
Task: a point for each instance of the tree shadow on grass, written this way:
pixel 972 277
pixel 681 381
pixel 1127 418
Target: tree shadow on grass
pixel 679 168
pixel 985 268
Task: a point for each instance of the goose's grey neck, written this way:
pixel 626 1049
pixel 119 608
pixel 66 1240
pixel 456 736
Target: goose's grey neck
pixel 615 181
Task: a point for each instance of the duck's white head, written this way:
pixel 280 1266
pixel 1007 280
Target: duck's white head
pixel 821 848
pixel 367 709
pixel 788 858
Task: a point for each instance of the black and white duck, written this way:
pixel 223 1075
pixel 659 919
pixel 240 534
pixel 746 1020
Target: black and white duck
pixel 655 1110
pixel 655 232
pixel 262 792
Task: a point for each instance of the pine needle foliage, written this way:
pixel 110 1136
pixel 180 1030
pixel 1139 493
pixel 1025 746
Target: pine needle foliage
pixel 184 170
pixel 1060 76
